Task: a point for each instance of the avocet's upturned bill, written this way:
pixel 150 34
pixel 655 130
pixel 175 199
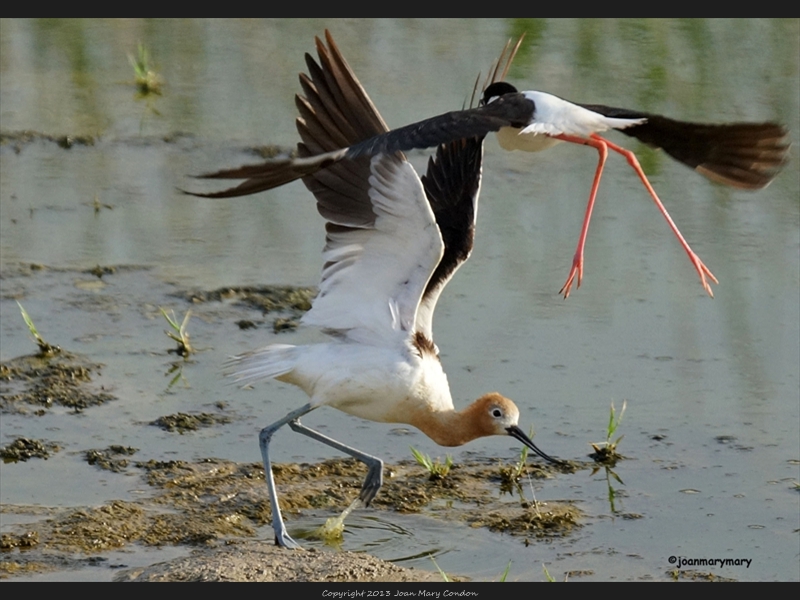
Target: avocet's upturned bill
pixel 741 155
pixel 393 242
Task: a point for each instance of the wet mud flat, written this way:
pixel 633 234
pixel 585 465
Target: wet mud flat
pixel 217 509
pixel 220 508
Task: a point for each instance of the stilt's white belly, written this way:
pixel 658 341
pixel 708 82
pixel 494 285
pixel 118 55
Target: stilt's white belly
pixel 510 138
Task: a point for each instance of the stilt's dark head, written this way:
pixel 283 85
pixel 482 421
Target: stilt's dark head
pixel 496 90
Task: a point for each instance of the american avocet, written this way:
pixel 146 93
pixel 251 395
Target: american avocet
pixel 741 155
pixel 393 242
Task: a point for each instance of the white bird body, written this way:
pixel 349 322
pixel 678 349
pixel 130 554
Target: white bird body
pixel 513 138
pixel 553 116
pixel 388 383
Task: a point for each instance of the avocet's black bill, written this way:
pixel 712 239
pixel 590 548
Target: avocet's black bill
pixel 517 433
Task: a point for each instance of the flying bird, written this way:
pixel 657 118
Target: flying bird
pixel 393 241
pixel 740 155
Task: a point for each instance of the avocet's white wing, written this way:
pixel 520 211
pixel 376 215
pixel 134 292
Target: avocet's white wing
pixel 374 276
pixel 382 239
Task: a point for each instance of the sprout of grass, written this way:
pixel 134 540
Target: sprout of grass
pixel 505 573
pixel 148 83
pixel 607 451
pixel 438 568
pixel 436 469
pixel 511 474
pixel 181 336
pixel 147 80
pixel 45 349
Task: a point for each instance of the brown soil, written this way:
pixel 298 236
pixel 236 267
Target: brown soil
pixel 216 506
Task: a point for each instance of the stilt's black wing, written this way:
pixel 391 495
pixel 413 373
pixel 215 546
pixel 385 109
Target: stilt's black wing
pixel 741 155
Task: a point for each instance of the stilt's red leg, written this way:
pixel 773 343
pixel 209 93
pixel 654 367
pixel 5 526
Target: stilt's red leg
pixel 577 260
pixel 702 270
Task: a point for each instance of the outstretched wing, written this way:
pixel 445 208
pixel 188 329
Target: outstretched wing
pixel 335 111
pixel 741 155
pixel 510 110
pixel 382 242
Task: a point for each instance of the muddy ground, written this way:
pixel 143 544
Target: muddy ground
pixel 216 507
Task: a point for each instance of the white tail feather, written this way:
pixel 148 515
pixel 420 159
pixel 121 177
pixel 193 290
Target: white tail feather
pixel 264 363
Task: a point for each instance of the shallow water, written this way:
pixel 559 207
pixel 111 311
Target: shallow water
pixel 713 386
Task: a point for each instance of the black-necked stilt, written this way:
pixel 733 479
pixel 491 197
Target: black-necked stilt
pixel 393 242
pixel 742 155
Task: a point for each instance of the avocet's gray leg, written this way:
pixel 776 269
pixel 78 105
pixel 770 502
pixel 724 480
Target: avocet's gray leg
pixel 374 479
pixel 282 537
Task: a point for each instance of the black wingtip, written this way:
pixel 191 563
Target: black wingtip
pixel 220 194
pixel 746 156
